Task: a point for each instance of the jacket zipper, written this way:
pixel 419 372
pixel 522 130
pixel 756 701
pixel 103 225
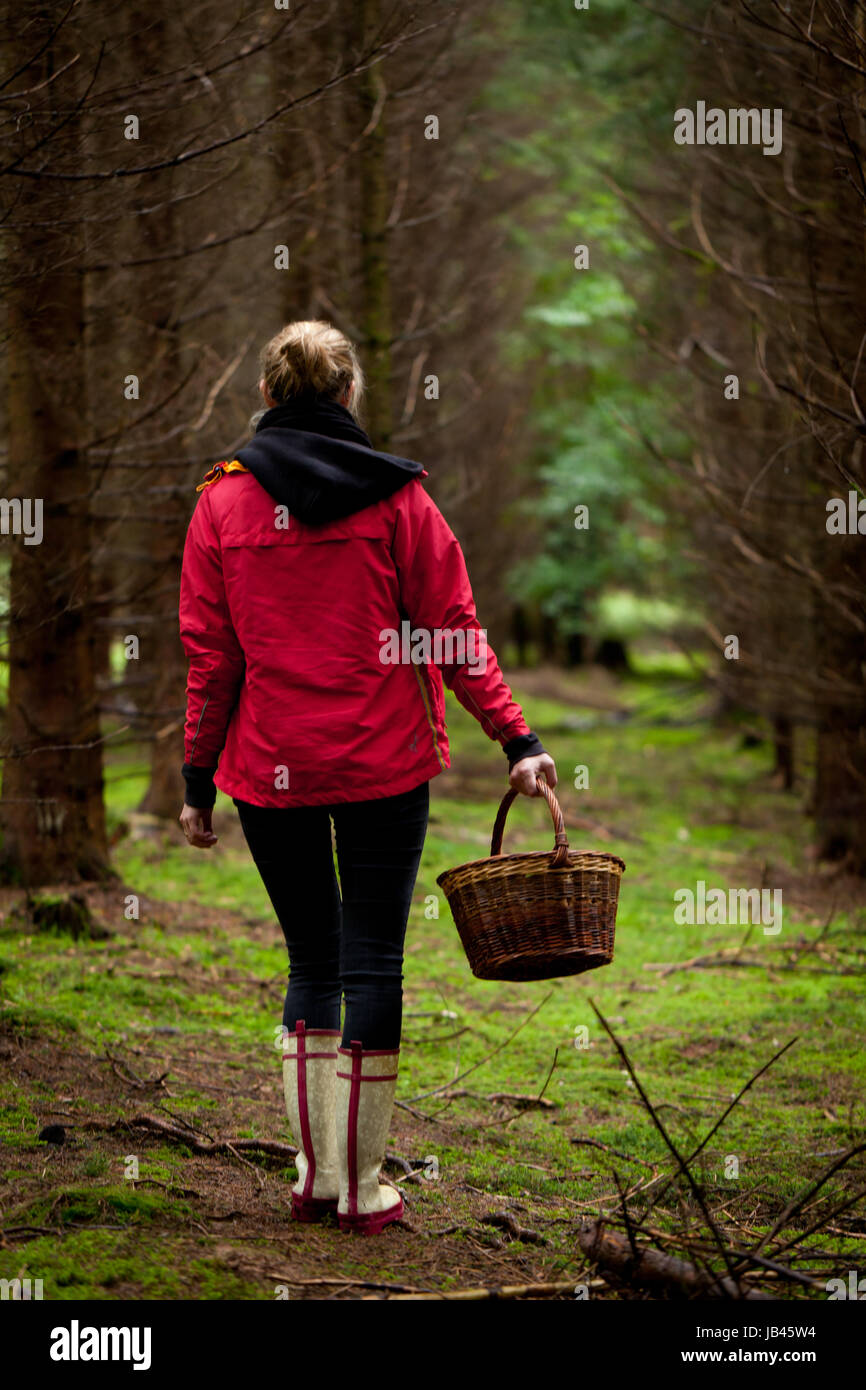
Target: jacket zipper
pixel 429 714
pixel 197 727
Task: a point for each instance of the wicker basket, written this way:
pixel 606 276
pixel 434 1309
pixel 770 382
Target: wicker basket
pixel 535 916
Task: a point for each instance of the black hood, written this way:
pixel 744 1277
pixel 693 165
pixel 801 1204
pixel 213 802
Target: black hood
pixel 314 458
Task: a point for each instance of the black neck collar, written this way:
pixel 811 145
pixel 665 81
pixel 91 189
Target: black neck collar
pixel 316 415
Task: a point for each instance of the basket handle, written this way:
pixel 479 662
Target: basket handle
pixel 560 848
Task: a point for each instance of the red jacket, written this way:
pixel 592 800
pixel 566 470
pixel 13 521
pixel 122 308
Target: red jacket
pixel 285 625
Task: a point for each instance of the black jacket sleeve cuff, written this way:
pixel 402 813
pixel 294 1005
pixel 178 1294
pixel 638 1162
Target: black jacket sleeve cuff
pixel 523 746
pixel 200 789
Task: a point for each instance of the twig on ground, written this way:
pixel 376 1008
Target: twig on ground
pixel 439 1038
pixel 605 1148
pixel 813 945
pixel 540 1097
pixel 728 956
pixel 401 1163
pixel 166 1186
pixel 179 1120
pixel 31 1231
pixel 209 1147
pixel 504 1291
pixel 437 1090
pixel 299 1282
pixel 521 1102
pixel 131 1078
pixel 419 1114
pixel 258 1177
pixel 793 1207
pixel 724 1115
pixel 783 1271
pixel 507 1221
pixel 683 1165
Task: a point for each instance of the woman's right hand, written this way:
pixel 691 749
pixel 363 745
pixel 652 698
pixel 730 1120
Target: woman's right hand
pixel 523 774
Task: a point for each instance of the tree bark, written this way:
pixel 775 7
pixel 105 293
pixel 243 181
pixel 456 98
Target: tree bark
pixel 51 808
pixel 159 293
pixel 375 282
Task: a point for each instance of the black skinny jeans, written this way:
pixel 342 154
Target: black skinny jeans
pixel 352 944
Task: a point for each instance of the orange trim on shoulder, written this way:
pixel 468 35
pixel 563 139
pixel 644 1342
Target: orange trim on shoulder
pixel 219 470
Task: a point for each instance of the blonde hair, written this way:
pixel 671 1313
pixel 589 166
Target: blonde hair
pixel 311 357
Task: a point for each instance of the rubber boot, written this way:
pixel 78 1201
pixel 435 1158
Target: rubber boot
pixel 366 1086
pixel 309 1067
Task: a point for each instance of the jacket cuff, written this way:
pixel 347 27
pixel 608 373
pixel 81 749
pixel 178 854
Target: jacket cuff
pixel 523 746
pixel 200 788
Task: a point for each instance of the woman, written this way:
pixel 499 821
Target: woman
pixel 317 577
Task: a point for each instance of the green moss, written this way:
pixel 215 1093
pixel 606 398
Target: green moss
pixel 104 1265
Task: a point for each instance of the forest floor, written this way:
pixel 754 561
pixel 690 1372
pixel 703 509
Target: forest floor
pixel 148 1038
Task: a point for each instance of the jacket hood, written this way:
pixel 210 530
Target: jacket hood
pixel 313 457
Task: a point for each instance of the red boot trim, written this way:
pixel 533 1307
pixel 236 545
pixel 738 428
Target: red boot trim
pixel 352 1141
pixel 372 1222
pixel 312 1208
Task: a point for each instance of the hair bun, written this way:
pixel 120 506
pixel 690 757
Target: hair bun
pixel 311 357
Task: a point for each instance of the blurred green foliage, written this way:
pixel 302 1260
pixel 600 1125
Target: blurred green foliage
pixel 597 89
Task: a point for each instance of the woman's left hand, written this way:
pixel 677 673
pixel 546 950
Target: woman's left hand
pixel 523 774
pixel 196 822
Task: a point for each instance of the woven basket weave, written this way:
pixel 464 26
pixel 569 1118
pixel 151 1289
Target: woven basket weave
pixel 538 915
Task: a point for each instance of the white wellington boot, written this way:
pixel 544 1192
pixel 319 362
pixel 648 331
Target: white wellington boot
pixel 366 1086
pixel 309 1083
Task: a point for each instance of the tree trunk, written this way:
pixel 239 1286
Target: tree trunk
pixel 840 782
pixel 161 346
pixel 840 792
pixel 375 283
pixel 51 808
pixel 783 745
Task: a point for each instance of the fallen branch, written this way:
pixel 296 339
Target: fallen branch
pixel 199 1146
pixel 508 1222
pixel 506 1291
pixel 294 1280
pixel 652 1270
pixel 31 1231
pixel 521 1102
pixel 402 1163
pixel 171 1188
pixel 730 956
pixel 130 1078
